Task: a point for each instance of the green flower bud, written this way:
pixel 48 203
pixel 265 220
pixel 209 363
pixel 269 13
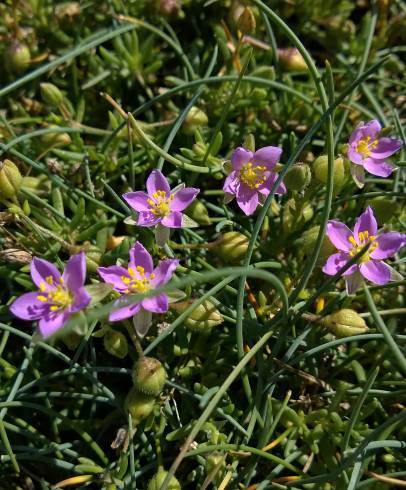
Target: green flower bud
pixel 194 120
pixel 292 60
pixel 156 481
pixel 56 139
pixel 51 94
pixel 139 405
pixel 232 246
pixel 198 212
pixel 344 323
pixel 149 376
pixel 384 208
pixel 320 168
pixel 298 177
pixel 204 317
pixel 308 241
pixel 246 22
pixel 10 179
pixel 115 343
pixel 17 57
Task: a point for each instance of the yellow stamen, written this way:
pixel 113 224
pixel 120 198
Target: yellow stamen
pixel 131 271
pixel 365 145
pixel 160 204
pixel 49 280
pixel 42 298
pixel 141 270
pixel 252 176
pixel 351 239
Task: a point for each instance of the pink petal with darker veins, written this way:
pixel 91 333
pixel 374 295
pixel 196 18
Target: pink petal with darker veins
pixel 41 269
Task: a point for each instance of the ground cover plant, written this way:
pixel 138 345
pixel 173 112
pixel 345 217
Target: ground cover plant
pixel 202 222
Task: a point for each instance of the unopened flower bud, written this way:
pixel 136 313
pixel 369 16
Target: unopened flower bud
pixel 308 241
pixel 194 120
pixel 166 8
pixel 17 57
pixel 115 343
pixel 292 60
pixel 246 22
pixel 198 212
pixel 204 317
pixel 156 481
pixel 232 246
pixel 139 405
pixel 10 179
pixel 320 168
pixel 298 177
pixel 56 139
pixel 344 323
pixel 149 376
pixel 51 94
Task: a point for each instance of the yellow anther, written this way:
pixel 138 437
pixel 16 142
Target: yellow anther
pixel 252 176
pixel 365 145
pixel 49 279
pixel 152 276
pixel 54 308
pixel 42 287
pixel 62 280
pixel 131 271
pixel 126 280
pixel 351 239
pixel 140 269
pixel 42 298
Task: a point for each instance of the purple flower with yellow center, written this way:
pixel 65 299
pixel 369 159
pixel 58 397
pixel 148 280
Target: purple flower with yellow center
pixel 139 277
pixel 370 265
pixel 252 177
pixel 59 296
pixel 370 152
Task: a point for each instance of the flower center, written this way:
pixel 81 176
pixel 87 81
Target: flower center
pixel 365 145
pixel 138 282
pixel 364 239
pixel 59 297
pixel 160 204
pixel 252 176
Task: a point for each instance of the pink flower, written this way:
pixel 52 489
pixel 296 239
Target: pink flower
pixel 370 152
pixel 139 277
pixel 370 265
pixel 252 177
pixel 58 296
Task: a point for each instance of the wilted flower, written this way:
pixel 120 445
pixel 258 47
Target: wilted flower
pixel 139 277
pixel 59 296
pixel 370 264
pixel 251 178
pixel 368 151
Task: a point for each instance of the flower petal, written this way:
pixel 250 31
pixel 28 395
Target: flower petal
pixel 139 256
pixel 41 269
pixel 164 271
pixel 137 200
pixel 74 274
pixel 113 275
pixel 268 156
pixel 240 157
pixel 247 199
pixel 387 245
pixel 156 304
pixel 386 147
pixel 378 167
pixel 174 220
pixel 81 299
pixel 371 128
pixel 28 307
pixel 124 312
pixel 339 235
pixel 51 323
pixel 376 272
pixel 157 182
pixel 265 188
pixel 148 219
pixel 353 282
pixel 336 262
pixel 231 183
pixel 366 222
pixel 183 198
pixel 354 156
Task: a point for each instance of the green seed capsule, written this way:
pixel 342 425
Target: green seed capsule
pixel 10 179
pixel 232 246
pixel 139 405
pixel 115 343
pixel 298 177
pixel 246 22
pixel 149 376
pixel 198 212
pixel 156 481
pixel 204 317
pixel 292 60
pixel 344 323
pixel 51 94
pixel 320 168
pixel 17 57
pixel 195 119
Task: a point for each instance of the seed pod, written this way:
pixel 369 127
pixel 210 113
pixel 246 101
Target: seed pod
pixel 292 60
pixel 198 212
pixel 156 481
pixel 344 323
pixel 232 246
pixel 115 343
pixel 149 376
pixel 204 317
pixel 51 94
pixel 56 139
pixel 246 22
pixel 10 179
pixel 139 405
pixel 298 177
pixel 195 119
pixel 320 168
pixel 308 241
pixel 17 57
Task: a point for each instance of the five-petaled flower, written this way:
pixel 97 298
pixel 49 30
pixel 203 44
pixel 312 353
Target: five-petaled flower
pixel 252 177
pixel 370 152
pixel 370 265
pixel 59 296
pixel 139 277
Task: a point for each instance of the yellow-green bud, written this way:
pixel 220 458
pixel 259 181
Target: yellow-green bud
pixel 246 21
pixel 344 323
pixel 308 241
pixel 51 94
pixel 320 168
pixel 292 60
pixel 194 120
pixel 298 177
pixel 17 57
pixel 115 343
pixel 384 208
pixel 198 212
pixel 139 405
pixel 149 376
pixel 10 179
pixel 156 481
pixel 56 139
pixel 204 317
pixel 232 246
